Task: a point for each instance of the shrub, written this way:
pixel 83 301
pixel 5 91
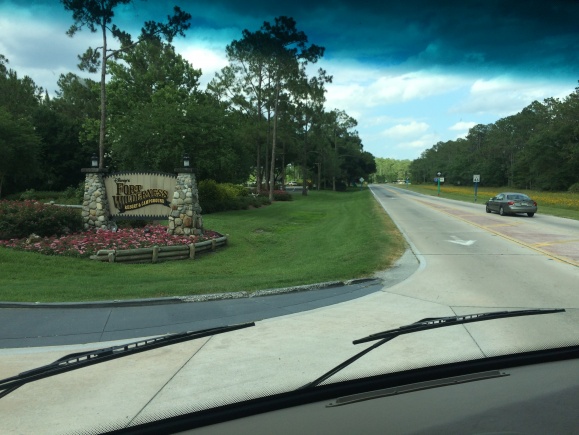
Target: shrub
pixel 19 219
pixel 71 195
pixel 281 195
pixel 208 191
pixel 574 188
pixel 215 197
pixel 233 190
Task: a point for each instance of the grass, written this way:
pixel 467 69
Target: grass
pixel 325 236
pixel 561 204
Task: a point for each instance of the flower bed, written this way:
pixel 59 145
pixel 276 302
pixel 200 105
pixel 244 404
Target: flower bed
pixel 85 244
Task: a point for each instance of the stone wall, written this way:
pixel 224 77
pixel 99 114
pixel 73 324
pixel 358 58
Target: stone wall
pixel 95 206
pixel 185 217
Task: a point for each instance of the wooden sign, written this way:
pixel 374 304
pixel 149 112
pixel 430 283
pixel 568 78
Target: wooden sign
pixel 140 195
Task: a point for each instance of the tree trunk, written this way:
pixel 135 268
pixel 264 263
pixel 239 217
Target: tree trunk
pixel 273 143
pixel 103 101
pixel 257 139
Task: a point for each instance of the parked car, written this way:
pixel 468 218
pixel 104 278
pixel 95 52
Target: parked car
pixel 512 203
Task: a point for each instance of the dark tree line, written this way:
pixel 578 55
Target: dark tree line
pixel 538 148
pixel 260 115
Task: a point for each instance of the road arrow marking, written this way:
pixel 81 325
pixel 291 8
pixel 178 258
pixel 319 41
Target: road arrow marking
pixel 461 242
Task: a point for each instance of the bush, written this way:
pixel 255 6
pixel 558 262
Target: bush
pixel 574 188
pixel 281 195
pixel 208 191
pixel 233 190
pixel 214 197
pixel 20 219
pixel 71 195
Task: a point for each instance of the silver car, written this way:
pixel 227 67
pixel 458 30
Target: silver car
pixel 512 203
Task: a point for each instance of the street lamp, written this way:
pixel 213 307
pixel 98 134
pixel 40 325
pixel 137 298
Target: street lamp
pixel 186 160
pixel 94 161
pixel 439 174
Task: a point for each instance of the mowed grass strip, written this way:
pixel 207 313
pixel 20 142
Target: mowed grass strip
pixel 325 236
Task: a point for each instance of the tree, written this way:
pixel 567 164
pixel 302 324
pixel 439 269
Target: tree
pixel 97 15
pixel 157 113
pixel 19 148
pixel 257 81
pixel 309 102
pixel 19 142
pixel 150 93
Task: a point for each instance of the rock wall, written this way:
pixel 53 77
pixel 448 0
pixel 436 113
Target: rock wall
pixel 95 206
pixel 185 217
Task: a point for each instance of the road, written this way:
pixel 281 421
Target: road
pixel 470 262
pixel 473 261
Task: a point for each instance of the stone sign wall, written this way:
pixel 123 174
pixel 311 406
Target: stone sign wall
pixel 143 196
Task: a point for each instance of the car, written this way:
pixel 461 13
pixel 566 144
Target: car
pixel 511 203
pixel 292 183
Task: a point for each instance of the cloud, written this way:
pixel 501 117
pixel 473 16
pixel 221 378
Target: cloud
pixel 421 143
pixel 460 126
pixel 209 61
pixel 504 95
pixel 411 129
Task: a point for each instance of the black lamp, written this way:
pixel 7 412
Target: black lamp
pixel 186 160
pixel 94 161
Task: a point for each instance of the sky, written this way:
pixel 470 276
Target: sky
pixel 412 72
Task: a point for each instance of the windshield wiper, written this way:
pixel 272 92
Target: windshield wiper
pixel 79 360
pixel 423 325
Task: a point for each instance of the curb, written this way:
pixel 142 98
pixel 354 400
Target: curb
pixel 186 299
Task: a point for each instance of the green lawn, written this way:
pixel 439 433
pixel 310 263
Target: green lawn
pixel 325 236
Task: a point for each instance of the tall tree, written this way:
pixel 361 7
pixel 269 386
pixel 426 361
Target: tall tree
pixel 19 142
pixel 309 97
pixel 97 15
pixel 289 54
pixel 150 95
pixel 262 65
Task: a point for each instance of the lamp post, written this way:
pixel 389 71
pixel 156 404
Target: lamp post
pixel 186 161
pixel 94 161
pixel 438 179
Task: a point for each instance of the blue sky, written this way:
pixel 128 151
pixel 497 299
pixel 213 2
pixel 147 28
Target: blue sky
pixel 412 73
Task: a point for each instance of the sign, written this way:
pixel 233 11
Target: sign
pixel 476 178
pixel 140 195
pixel 441 179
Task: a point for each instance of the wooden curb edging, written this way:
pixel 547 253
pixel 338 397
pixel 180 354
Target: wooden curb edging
pixel 158 254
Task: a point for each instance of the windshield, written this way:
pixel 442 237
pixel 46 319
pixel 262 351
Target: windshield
pixel 171 174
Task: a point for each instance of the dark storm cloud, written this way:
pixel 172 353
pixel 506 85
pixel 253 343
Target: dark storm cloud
pixel 532 36
pixel 516 36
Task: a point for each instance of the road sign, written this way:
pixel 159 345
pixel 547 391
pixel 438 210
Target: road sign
pixel 476 178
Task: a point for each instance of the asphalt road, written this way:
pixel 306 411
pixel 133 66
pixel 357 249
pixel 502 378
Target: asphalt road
pixel 481 261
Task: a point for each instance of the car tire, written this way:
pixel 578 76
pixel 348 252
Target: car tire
pixel 530 214
pixel 488 209
pixel 501 211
